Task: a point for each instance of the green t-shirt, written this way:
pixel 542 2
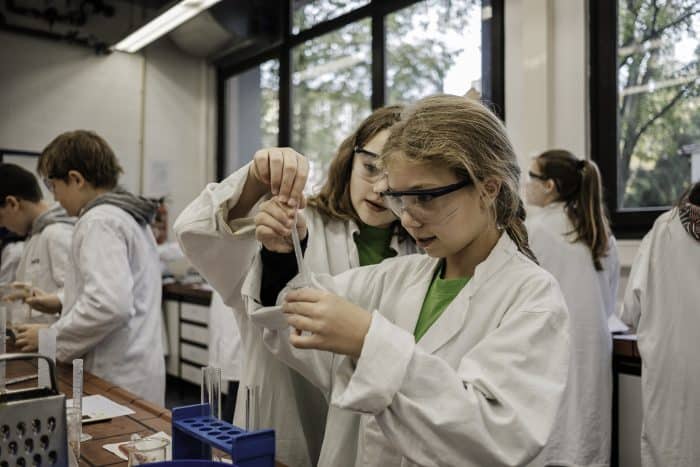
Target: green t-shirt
pixel 373 244
pixel 440 294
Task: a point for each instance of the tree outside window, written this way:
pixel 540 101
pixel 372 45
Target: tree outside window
pixel 658 99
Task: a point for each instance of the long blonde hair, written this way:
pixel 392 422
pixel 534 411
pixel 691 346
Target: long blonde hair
pixel 462 135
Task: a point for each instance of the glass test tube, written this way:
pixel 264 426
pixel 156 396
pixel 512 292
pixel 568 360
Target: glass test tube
pixel 211 389
pixel 252 394
pixel 78 393
pixel 47 348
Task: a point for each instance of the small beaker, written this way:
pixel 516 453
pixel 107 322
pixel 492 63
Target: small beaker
pixel 147 450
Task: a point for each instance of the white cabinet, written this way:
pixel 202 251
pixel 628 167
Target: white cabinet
pixel 187 326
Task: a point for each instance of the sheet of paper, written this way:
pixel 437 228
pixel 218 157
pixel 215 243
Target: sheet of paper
pixel 97 407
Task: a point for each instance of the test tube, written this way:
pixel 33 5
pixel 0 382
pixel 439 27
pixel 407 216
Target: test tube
pixel 211 389
pixel 251 407
pixel 47 348
pixel 78 394
pixel 78 384
pixel 3 337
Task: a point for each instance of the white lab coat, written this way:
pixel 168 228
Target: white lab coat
pixel 225 349
pixel 112 307
pixel 583 429
pixel 45 261
pixel 223 254
pixel 9 261
pixel 662 303
pixel 481 388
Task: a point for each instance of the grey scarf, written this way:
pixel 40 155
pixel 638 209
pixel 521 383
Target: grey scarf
pixel 143 210
pixel 56 214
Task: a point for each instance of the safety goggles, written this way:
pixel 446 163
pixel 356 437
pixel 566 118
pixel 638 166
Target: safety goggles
pixel 537 176
pixel 544 178
pixel 423 205
pixel 48 183
pixel 367 167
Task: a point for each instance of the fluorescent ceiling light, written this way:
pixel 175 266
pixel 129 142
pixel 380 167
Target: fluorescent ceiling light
pixel 163 24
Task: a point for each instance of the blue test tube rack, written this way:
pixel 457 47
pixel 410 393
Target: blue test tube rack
pixel 195 432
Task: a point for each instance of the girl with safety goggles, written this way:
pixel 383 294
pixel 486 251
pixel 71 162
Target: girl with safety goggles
pixel 457 357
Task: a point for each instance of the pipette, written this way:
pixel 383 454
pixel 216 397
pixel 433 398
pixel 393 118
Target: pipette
pixel 303 273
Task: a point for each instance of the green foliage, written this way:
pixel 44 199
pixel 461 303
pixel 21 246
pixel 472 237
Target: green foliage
pixel 332 81
pixel 659 104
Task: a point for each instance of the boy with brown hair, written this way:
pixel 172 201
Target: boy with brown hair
pixel 44 259
pixel 111 309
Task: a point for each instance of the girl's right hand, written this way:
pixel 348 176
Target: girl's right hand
pixel 273 225
pixel 284 170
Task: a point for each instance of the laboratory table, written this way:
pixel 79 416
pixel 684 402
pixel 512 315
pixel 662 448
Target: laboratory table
pixel 147 418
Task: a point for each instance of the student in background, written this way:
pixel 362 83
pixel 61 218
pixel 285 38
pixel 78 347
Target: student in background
pixel 348 226
pixel 11 246
pixel 48 228
pixel 111 313
pixel 662 305
pixel 458 357
pixel 570 235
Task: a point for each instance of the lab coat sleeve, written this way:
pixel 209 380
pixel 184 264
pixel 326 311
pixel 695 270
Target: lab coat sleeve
pixel 59 243
pixel 631 310
pixel 104 304
pixel 221 251
pixel 497 408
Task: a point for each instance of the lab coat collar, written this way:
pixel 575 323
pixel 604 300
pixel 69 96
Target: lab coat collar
pixel 554 206
pixel 453 319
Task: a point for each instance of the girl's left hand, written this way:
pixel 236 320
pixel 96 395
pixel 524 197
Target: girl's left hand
pixel 28 336
pixel 336 324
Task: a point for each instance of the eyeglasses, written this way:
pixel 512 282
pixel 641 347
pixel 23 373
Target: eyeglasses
pixel 423 205
pixel 537 176
pixel 48 183
pixel 366 167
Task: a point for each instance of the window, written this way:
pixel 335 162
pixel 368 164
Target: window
pixel 331 92
pixel 433 46
pixel 252 111
pixel 645 107
pixel 308 13
pixel 338 60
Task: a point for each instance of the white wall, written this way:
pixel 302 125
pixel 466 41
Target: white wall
pixel 155 109
pixel 546 79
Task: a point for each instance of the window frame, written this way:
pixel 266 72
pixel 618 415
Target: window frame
pixel 627 223
pixel 492 62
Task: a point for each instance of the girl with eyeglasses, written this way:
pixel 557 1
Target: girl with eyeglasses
pixel 458 357
pixel 571 237
pixel 344 226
